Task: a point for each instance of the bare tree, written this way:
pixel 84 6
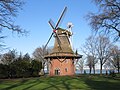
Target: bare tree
pixel 97 49
pixel 80 64
pixel 90 50
pixel 9 57
pixel 39 54
pixel 107 20
pixel 115 60
pixel 103 48
pixel 90 62
pixel 8 11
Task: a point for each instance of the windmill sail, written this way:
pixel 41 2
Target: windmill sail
pixel 54 27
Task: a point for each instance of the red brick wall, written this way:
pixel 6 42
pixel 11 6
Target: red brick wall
pixel 66 66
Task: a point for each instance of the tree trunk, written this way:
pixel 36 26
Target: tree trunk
pixel 118 65
pixel 118 69
pixel 90 70
pixel 43 65
pixel 94 69
pixel 101 69
pixel 47 67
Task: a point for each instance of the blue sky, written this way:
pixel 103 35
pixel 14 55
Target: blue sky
pixel 35 15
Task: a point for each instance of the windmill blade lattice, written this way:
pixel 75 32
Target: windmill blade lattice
pixel 48 41
pixel 51 24
pixel 54 32
pixel 65 9
pixel 55 29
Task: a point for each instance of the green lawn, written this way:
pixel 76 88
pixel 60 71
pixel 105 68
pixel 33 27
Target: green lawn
pixel 61 83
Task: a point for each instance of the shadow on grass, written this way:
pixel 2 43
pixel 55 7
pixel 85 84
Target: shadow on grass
pixel 36 82
pixel 103 85
pixel 57 83
pixel 14 85
pixel 61 83
pixel 22 82
pixel 67 86
pixel 64 83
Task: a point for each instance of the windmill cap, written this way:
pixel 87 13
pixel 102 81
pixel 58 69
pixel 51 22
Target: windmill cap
pixel 63 31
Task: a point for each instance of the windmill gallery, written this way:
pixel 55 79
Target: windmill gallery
pixel 61 59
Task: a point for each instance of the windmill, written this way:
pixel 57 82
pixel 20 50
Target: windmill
pixel 62 57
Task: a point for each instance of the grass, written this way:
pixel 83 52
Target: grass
pixel 82 82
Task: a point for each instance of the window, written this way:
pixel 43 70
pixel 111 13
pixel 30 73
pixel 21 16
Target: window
pixel 57 71
pixel 66 69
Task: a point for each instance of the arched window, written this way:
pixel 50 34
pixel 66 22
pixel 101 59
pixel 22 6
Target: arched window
pixel 57 71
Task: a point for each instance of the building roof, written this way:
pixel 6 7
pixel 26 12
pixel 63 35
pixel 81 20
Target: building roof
pixel 63 55
pixel 62 46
